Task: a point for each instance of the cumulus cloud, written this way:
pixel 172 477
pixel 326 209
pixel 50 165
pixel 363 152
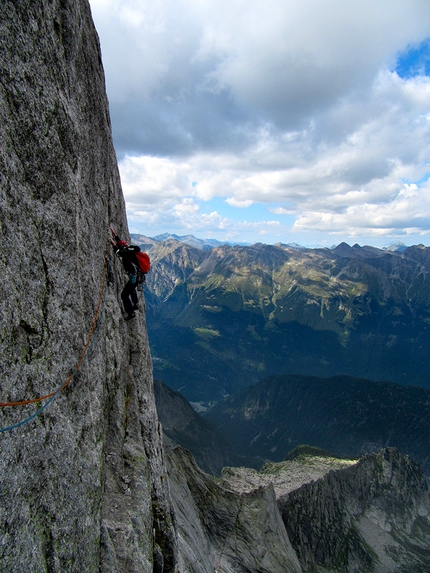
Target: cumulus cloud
pixel 401 217
pixel 294 106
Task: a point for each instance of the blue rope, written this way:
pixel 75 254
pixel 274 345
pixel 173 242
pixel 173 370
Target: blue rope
pixel 40 410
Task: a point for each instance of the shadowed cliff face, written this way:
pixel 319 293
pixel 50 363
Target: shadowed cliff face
pixel 82 484
pixel 223 531
pixel 367 516
pixel 373 516
pixel 183 426
pixel 347 416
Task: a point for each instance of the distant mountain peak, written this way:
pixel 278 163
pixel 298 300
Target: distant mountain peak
pixel 293 245
pixel 399 247
pixel 193 241
pixel 357 251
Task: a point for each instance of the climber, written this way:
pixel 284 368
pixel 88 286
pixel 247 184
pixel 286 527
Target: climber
pixel 127 253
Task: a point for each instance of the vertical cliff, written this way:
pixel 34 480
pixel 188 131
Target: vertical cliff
pixel 225 531
pixel 371 516
pixel 367 516
pixel 83 483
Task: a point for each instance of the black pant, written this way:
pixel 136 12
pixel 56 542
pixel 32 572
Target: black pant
pixel 129 291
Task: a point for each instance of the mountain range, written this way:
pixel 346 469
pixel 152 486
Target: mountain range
pixel 194 241
pixel 221 319
pixel 191 240
pixel 341 514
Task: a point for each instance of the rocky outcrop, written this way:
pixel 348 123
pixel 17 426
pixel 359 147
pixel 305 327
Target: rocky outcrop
pixel 83 483
pixel 373 516
pixel 367 516
pixel 224 531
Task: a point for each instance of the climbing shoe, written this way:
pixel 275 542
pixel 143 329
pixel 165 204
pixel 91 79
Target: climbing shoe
pixel 136 306
pixel 130 316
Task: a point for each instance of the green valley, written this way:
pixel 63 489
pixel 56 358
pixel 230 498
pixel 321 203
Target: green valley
pixel 221 319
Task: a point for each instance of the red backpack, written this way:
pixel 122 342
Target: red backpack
pixel 144 264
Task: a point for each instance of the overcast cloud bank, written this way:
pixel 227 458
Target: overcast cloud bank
pixel 271 121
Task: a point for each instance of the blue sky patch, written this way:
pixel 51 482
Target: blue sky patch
pixel 415 61
pixel 419 182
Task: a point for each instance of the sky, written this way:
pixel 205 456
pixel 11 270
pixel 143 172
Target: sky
pixel 292 121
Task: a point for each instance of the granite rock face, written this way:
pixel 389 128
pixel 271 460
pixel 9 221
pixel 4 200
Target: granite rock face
pixel 82 484
pixel 371 515
pixel 319 514
pixel 224 531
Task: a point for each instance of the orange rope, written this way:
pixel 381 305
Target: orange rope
pixel 93 328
